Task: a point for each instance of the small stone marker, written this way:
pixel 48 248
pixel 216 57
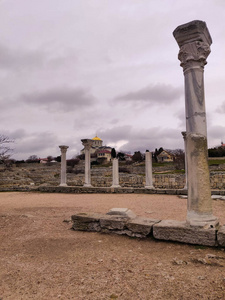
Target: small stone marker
pixel 123 212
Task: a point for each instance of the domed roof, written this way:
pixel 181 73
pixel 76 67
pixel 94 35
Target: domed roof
pixel 96 138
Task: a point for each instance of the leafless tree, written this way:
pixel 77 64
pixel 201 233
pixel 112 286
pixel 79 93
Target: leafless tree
pixel 5 150
pixel 179 159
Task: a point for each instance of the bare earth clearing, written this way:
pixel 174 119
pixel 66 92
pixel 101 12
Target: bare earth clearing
pixel 41 258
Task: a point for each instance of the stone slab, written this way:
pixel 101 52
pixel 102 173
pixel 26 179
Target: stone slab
pixel 87 217
pixel 214 197
pixel 112 222
pixel 142 226
pixel 170 230
pixel 221 236
pixel 86 221
pixel 122 212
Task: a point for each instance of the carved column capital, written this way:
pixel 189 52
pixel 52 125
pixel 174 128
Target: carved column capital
pixel 194 41
pixel 87 143
pixel 184 134
pixel 194 55
pixel 63 148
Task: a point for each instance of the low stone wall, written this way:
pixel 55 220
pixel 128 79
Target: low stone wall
pixel 124 222
pixel 100 177
pixel 217 180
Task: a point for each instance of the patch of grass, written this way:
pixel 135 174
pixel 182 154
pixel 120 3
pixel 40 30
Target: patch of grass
pixel 102 166
pixel 216 162
pixel 170 172
pixel 162 164
pixel 200 247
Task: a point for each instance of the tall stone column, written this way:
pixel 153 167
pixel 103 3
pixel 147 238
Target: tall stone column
pixel 194 41
pixel 63 165
pixel 184 134
pixel 148 170
pixel 115 174
pixel 87 143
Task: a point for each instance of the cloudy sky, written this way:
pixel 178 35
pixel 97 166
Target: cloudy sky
pixel 71 69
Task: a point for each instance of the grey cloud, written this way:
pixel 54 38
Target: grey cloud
pixel 12 59
pixel 18 134
pixel 180 115
pixel 40 144
pixel 154 138
pixel 216 132
pixel 13 135
pixel 59 99
pixel 142 139
pixel 15 59
pixel 115 134
pixel 154 94
pixel 221 109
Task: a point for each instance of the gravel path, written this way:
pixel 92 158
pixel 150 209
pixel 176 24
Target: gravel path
pixel 41 258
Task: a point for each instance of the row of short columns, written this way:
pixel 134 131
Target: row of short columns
pixel 115 164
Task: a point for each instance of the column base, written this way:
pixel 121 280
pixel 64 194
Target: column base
pixel 87 185
pixel 185 187
pixel 63 184
pixel 150 187
pixel 201 220
pixel 115 186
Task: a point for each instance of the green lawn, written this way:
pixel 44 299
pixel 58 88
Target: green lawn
pixel 216 161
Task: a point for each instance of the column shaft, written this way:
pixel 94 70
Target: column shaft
pixel 194 41
pixel 115 173
pixel 184 134
pixel 148 170
pixel 87 143
pixel 87 181
pixel 63 165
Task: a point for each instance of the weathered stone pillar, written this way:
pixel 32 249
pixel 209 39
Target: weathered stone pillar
pixel 63 165
pixel 194 41
pixel 115 174
pixel 148 170
pixel 184 134
pixel 87 143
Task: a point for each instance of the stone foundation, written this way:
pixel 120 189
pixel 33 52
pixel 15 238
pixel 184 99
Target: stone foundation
pixel 166 230
pixel 50 175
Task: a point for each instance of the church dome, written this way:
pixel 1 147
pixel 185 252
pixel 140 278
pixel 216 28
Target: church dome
pixel 96 138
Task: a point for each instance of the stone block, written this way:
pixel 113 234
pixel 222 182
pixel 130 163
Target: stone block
pixel 112 222
pixel 178 231
pixel 86 222
pixel 221 236
pixel 122 212
pixel 141 226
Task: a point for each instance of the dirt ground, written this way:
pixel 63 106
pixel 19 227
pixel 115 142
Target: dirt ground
pixel 42 258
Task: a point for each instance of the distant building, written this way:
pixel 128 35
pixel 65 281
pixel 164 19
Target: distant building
pixel 165 156
pixel 103 153
pixel 103 156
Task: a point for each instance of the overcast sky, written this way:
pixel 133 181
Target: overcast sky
pixel 71 69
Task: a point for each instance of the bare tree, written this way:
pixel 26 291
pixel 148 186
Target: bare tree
pixel 33 159
pixel 5 151
pixel 179 159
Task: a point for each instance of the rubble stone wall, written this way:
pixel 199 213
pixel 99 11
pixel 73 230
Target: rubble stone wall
pixel 37 174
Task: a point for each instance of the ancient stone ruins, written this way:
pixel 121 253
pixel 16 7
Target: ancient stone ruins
pixel 200 227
